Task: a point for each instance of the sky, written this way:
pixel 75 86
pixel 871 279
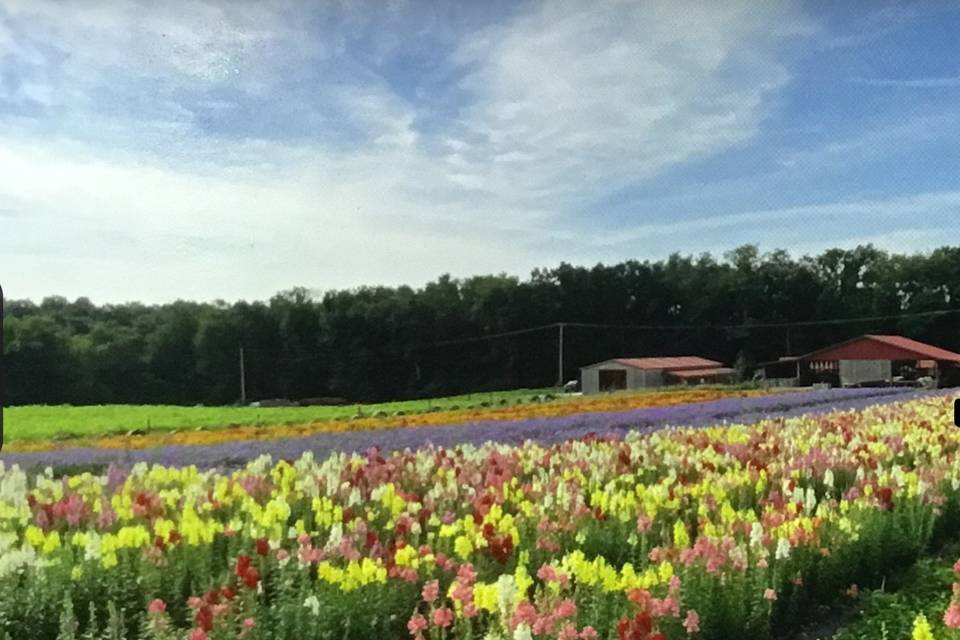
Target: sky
pixel 229 150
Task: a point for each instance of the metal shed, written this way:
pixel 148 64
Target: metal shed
pixel 620 374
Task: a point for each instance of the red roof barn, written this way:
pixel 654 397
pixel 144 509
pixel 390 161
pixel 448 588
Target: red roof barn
pixel 866 359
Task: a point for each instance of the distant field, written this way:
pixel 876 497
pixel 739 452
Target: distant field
pixel 44 422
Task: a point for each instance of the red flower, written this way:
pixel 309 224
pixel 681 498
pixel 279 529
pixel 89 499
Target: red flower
pixel 638 628
pixel 204 618
pixel 243 564
pixel 251 578
pixel 246 572
pixel 263 547
pixel 885 495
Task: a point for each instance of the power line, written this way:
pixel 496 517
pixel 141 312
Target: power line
pixel 638 327
pixel 759 325
pixel 490 336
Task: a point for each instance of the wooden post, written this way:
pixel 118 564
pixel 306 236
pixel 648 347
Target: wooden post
pixel 560 359
pixel 243 380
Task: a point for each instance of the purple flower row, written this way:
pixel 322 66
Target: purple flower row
pixel 546 430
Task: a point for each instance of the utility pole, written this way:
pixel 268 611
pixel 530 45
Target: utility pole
pixel 560 357
pixel 243 380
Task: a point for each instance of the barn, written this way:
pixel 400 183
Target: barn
pixel 868 359
pixel 621 374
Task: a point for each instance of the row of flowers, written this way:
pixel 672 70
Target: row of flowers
pixel 531 410
pixel 717 532
pixel 233 449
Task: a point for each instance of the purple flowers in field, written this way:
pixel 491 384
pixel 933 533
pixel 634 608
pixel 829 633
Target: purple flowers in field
pixel 552 429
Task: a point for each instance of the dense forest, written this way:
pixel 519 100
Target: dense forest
pixel 380 343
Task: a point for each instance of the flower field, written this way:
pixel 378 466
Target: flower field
pixel 106 427
pixel 237 446
pixel 703 532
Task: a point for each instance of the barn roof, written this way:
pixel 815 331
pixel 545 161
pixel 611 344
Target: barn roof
pixel 672 363
pixel 882 347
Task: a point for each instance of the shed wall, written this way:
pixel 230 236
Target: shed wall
pixel 636 378
pixel 857 371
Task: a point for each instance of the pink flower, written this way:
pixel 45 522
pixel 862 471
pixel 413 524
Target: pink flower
pixel 466 574
pixel 956 566
pixel 198 634
pixel 526 613
pixel 588 633
pixel 282 554
pixel 644 523
pixel 443 617
pixel 416 624
pixel 568 632
pixel 543 625
pixel 692 622
pixel 675 585
pixel 952 616
pixel 248 623
pixel 566 609
pixel 431 591
pixel 157 606
pixel 770 595
pixel 663 608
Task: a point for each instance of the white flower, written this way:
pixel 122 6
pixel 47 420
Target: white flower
pixel 355 498
pixel 91 550
pixel 522 632
pixel 828 478
pixel 336 535
pixel 783 549
pixel 506 593
pixel 312 603
pixel 756 534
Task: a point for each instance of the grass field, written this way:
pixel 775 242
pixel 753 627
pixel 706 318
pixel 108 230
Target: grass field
pixel 43 422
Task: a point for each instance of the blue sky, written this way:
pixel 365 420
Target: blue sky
pixel 153 151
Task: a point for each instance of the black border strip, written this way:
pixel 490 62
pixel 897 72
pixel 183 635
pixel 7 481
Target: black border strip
pixel 2 364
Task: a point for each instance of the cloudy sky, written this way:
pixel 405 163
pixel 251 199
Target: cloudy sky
pixel 153 151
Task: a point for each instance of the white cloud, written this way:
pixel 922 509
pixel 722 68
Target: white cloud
pixel 130 196
pixel 598 95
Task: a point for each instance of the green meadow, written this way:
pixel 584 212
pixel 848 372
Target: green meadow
pixel 63 422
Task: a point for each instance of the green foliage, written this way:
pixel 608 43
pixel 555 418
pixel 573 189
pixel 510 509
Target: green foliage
pixel 373 343
pixel 43 422
pixel 889 612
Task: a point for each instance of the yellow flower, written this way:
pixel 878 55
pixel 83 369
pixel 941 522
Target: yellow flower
pixel 463 546
pixel 681 539
pixel 921 629
pixel 485 597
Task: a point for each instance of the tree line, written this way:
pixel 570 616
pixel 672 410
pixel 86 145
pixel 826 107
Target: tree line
pixel 380 343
